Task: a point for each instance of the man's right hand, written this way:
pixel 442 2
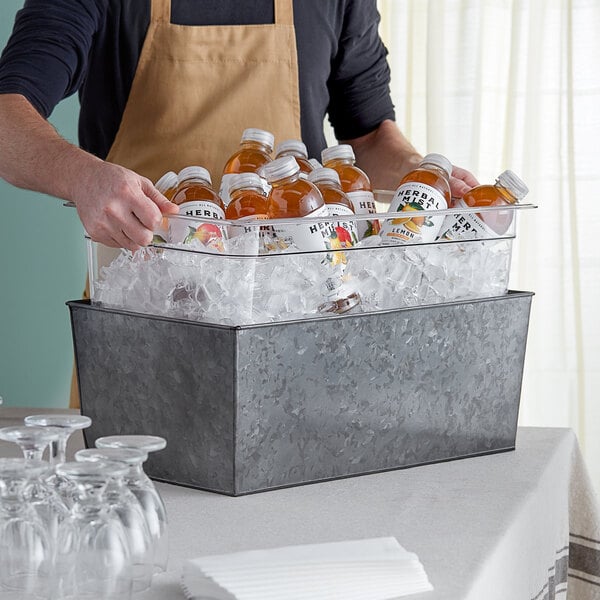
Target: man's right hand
pixel 118 207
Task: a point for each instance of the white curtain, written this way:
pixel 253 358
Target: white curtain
pixel 497 84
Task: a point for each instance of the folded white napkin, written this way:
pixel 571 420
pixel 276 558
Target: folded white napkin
pixel 372 569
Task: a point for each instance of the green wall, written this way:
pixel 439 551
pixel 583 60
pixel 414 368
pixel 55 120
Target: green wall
pixel 42 265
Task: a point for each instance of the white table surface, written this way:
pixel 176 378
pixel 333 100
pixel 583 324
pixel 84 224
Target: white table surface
pixel 492 527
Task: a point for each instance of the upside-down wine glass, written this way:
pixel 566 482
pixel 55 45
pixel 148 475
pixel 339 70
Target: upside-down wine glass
pixel 129 510
pixel 26 552
pixel 145 491
pixel 32 440
pixel 93 559
pixel 65 426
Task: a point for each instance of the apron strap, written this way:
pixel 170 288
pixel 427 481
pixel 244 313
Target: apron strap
pixel 284 12
pixel 160 11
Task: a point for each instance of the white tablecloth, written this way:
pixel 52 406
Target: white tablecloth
pixel 520 525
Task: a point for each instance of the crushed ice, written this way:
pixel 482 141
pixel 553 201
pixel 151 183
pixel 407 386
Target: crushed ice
pixel 236 288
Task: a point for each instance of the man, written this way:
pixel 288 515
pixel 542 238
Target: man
pixel 163 87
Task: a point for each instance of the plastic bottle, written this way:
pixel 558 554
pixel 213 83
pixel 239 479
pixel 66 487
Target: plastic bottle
pixel 248 202
pixel 196 198
pixel 425 188
pixel 338 204
pixel 167 186
pixel 314 163
pixel 508 189
pixel 253 154
pixel 291 197
pixel 297 149
pixel 355 183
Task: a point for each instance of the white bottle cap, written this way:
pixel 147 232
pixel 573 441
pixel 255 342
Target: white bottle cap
pixel 245 180
pixel 194 173
pixel 324 174
pixel 513 183
pixel 281 168
pixel 439 160
pixel 292 146
pixel 167 181
pixel 335 152
pixel 314 163
pixel 259 135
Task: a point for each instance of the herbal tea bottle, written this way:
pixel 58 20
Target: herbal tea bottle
pixel 167 186
pixel 355 183
pixel 248 201
pixel 425 188
pixel 196 198
pixel 297 149
pixel 291 197
pixel 508 189
pixel 253 154
pixel 338 204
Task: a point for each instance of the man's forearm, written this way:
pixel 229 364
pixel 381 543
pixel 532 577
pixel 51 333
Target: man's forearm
pixel 33 155
pixel 385 155
pixel 116 206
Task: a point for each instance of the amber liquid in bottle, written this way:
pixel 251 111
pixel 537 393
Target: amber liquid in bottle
pixel 289 199
pixel 247 203
pixel 196 198
pixel 250 158
pixel 492 195
pixel 338 204
pixel 356 184
pixel 508 189
pixel 197 191
pixel 425 188
pixel 433 178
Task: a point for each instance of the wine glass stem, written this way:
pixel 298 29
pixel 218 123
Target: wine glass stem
pixel 61 450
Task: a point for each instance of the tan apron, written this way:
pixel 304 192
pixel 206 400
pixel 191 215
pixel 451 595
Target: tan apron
pixel 197 88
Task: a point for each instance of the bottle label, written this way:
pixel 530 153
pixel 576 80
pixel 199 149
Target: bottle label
pixel 309 236
pixel 465 226
pixel 364 204
pixel 242 227
pixel 211 236
pixel 226 185
pixel 346 232
pixel 409 197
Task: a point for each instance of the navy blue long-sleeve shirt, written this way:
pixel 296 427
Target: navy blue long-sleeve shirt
pixel 92 47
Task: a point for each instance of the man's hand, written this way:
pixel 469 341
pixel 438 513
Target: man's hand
pixel 118 207
pixel 461 182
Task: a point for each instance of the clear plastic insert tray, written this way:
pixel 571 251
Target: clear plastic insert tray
pixel 249 278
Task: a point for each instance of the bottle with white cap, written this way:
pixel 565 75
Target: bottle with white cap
pixel 508 189
pixel 292 197
pixel 338 204
pixel 297 149
pixel 195 197
pixel 355 183
pixel 425 188
pixel 248 202
pixel 167 186
pixel 253 154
